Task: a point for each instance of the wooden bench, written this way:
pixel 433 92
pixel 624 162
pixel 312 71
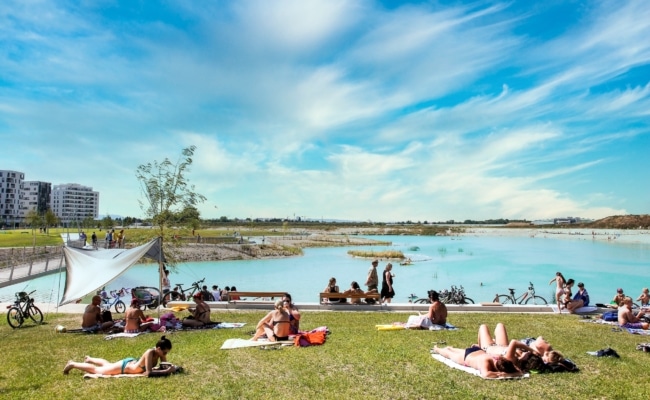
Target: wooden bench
pixel 257 296
pixel 328 296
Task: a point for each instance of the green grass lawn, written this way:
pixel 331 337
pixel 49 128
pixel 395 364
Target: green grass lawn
pixel 357 362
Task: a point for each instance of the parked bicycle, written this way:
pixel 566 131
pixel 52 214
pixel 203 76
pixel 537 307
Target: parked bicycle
pixel 22 309
pixel 456 295
pixel 180 294
pixel 528 297
pixel 114 300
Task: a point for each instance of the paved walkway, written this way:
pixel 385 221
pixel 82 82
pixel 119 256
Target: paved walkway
pixel 21 273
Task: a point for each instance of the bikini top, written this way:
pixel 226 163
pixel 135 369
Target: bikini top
pixel 279 322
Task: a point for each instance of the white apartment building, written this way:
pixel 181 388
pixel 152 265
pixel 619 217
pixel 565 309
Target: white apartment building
pixel 10 195
pixel 73 203
pixel 36 196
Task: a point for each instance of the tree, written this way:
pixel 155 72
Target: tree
pixel 167 190
pixel 33 220
pixel 50 219
pixel 107 222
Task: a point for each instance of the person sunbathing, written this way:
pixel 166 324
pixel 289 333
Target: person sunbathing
pixel 294 313
pixel 92 321
pixel 142 366
pixel 275 325
pixel 644 297
pixel 489 366
pixel 627 319
pixel 522 355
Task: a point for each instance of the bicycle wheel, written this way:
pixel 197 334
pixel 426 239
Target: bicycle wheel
pixel 35 314
pixel 14 317
pixel 503 299
pixel 120 307
pixel 467 300
pixel 421 301
pixel 536 300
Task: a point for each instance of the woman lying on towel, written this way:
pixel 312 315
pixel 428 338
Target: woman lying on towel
pixel 490 366
pixel 143 366
pixel 523 356
pixel 275 325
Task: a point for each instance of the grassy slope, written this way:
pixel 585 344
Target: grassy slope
pixel 357 362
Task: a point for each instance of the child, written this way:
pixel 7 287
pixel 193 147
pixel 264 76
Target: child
pixel 644 298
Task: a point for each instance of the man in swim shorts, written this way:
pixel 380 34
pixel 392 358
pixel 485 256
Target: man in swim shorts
pixel 92 318
pixel 627 319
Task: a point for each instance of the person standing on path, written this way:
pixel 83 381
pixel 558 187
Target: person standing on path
pixel 373 280
pixel 387 292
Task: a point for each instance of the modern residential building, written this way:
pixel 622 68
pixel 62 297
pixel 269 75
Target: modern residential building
pixel 73 203
pixel 36 196
pixel 10 195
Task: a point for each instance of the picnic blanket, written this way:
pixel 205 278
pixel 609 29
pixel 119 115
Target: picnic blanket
pixel 230 344
pixel 617 327
pixel 469 370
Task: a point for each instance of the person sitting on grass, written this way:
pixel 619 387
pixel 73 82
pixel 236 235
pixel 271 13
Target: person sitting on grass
pixel 618 299
pixel 488 365
pixel 275 325
pixel 523 356
pixel 143 366
pixel 134 318
pixel 91 321
pixel 200 315
pixel 437 310
pixel 294 314
pixel 627 319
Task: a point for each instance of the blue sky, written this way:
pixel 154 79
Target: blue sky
pixel 363 110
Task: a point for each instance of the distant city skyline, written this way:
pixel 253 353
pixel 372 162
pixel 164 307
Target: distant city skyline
pixel 350 110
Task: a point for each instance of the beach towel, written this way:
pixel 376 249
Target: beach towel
pixel 97 376
pixel 469 370
pixel 644 332
pixel 121 335
pixel 243 343
pixel 581 310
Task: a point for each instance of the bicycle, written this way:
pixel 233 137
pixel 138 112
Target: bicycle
pixel 179 293
pixel 22 309
pixel 454 296
pixel 529 297
pixel 107 302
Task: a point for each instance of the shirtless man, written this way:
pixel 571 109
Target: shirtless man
pixel 437 310
pixel 618 299
pixel 92 318
pixel 627 319
pixel 490 366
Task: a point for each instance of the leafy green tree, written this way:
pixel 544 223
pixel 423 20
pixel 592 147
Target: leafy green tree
pixel 107 222
pixel 50 220
pixel 167 191
pixel 33 220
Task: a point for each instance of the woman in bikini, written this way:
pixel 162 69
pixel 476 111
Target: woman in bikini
pixel 294 314
pixel 523 356
pixel 559 288
pixel 135 320
pixel 490 366
pixel 143 366
pixel 200 315
pixel 275 325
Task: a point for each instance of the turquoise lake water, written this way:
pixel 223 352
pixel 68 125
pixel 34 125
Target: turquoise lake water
pixel 484 265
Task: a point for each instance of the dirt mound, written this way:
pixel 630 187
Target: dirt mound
pixel 623 222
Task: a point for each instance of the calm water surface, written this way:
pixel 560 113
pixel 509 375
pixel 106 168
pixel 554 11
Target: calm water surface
pixel 483 265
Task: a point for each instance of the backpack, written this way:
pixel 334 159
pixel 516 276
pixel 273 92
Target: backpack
pixel 610 316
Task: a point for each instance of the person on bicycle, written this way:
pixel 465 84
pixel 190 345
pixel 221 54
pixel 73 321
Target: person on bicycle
pixel 437 310
pixel 91 321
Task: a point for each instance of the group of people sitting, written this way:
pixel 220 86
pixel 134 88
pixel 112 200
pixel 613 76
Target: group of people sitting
pixel 278 324
pixel 499 357
pixel 135 321
pixel 354 288
pixel 564 296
